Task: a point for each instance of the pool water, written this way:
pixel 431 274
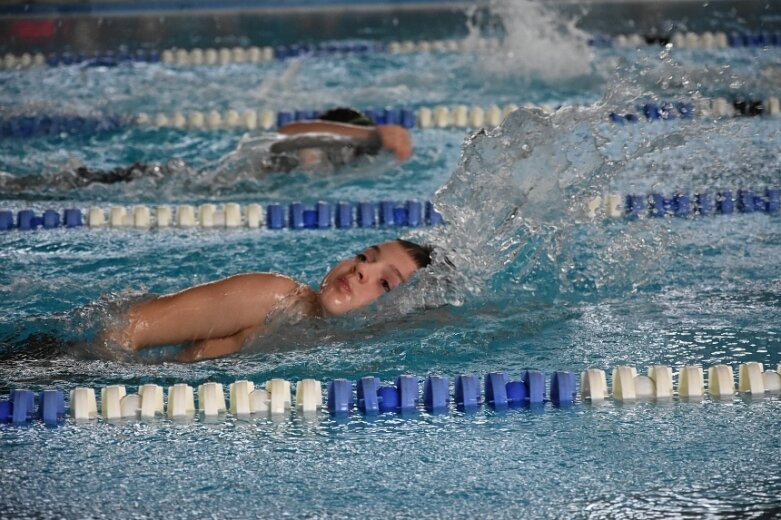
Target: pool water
pixel 538 283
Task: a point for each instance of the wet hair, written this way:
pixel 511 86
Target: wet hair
pixel 346 115
pixel 421 255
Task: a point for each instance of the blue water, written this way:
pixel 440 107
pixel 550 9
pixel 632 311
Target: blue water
pixel 539 284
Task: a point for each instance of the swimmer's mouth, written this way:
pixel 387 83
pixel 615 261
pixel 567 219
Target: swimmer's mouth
pixel 344 284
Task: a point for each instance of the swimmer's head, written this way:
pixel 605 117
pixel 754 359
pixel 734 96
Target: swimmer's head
pixel 346 115
pixel 358 281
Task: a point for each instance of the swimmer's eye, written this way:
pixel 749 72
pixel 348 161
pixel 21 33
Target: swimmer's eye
pixel 386 285
pixel 361 257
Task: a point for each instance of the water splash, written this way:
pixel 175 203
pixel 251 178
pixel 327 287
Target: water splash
pixel 538 43
pixel 517 211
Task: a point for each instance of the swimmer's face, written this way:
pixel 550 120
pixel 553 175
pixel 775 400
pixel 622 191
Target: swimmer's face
pixel 356 282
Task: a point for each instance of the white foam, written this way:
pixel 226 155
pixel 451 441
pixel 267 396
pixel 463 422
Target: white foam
pixel 538 43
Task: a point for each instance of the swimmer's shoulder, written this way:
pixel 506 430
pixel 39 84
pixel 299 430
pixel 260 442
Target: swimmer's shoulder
pixel 270 282
pixel 263 292
pixel 271 293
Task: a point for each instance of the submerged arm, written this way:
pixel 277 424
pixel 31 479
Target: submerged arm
pixel 218 347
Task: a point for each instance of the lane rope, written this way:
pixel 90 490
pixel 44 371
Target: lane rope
pixel 260 54
pixel 27 126
pixel 345 215
pixel 370 396
pixel 321 215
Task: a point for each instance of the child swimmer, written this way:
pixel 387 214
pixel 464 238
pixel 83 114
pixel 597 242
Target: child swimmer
pixel 216 319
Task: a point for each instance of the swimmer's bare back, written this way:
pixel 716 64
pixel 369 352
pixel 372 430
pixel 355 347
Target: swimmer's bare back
pixel 216 318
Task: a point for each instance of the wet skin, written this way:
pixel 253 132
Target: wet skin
pixel 358 281
pixel 218 318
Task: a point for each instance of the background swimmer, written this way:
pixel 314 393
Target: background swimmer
pixel 339 137
pixel 218 318
pixel 368 138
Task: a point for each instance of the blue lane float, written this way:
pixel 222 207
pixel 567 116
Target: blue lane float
pixel 563 388
pixel 368 395
pixel 366 214
pixel 339 399
pixel 658 111
pixel 495 390
pixel 516 394
pixel 52 407
pixel 373 398
pixel 407 388
pixel 55 125
pixel 22 406
pixel 467 392
pixel 436 394
pixel 388 398
pixel 685 205
pixel 344 215
pixel 534 384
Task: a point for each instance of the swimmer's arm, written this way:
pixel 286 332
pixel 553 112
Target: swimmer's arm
pixel 329 127
pixel 214 310
pixel 217 347
pixel 395 138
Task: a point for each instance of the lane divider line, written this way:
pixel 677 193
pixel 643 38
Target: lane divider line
pixel 370 396
pixel 344 215
pixel 223 56
pixel 27 126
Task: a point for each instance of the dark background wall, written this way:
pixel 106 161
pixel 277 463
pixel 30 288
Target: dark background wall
pixel 85 26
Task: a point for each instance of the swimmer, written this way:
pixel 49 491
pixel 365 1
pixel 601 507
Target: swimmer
pixel 216 319
pixel 369 138
pixel 339 137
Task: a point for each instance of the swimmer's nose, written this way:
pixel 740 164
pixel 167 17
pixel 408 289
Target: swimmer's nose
pixel 361 271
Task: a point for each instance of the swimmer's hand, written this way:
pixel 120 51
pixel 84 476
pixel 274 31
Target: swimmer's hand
pixel 396 139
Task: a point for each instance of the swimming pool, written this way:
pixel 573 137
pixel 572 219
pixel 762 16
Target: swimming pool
pixel 541 284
